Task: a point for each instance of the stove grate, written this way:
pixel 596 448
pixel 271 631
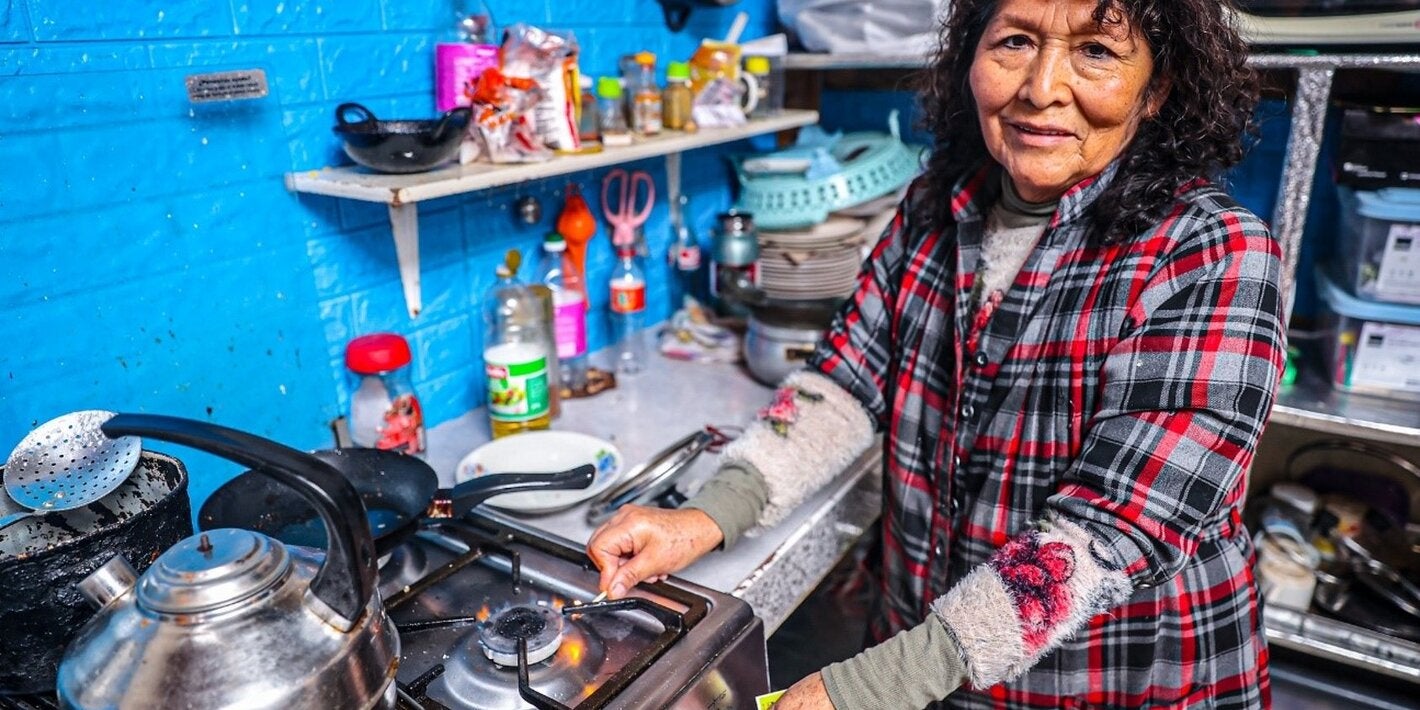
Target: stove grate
pixel 674 624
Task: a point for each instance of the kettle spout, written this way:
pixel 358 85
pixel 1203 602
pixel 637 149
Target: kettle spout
pixel 109 582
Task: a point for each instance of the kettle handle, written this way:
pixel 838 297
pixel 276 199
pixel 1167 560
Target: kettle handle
pixel 346 579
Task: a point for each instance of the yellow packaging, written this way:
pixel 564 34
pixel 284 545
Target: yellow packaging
pixel 766 701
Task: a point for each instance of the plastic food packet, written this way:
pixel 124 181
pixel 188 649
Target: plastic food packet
pixel 501 130
pixel 718 105
pixel 550 59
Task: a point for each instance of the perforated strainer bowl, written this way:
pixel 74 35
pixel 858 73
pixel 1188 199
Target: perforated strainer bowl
pixel 68 462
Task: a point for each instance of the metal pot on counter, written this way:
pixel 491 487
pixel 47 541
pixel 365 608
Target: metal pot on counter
pixel 781 334
pixel 232 618
pixel 43 559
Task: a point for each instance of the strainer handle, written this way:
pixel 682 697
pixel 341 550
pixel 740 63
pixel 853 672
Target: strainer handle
pixel 346 579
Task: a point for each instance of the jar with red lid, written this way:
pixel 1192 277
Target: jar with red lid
pixel 384 409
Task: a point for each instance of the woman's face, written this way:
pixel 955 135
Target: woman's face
pixel 1057 96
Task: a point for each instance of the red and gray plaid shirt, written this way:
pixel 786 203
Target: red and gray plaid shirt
pixel 1119 388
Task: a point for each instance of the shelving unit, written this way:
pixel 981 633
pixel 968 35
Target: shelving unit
pixel 1311 403
pixel 403 193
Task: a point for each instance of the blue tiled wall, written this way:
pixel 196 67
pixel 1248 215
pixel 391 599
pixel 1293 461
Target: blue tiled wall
pixel 153 260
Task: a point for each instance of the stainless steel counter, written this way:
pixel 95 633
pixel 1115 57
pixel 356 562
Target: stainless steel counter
pixel 773 571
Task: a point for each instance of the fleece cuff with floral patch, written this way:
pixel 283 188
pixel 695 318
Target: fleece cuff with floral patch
pixel 810 433
pixel 1036 591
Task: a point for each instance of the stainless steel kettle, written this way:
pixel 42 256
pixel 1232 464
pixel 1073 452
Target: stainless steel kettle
pixel 232 618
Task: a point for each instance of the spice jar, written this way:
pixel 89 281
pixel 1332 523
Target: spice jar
pixel 384 409
pixel 677 99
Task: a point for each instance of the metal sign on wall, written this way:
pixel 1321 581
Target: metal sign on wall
pixel 239 85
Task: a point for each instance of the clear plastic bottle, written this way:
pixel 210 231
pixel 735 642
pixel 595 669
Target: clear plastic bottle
pixel 646 97
pixel 515 356
pixel 677 98
pixel 628 311
pixel 613 122
pixel 569 303
pixel 685 257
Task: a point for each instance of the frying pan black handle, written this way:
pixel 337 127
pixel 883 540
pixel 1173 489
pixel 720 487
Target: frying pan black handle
pixel 362 114
pixel 470 493
pixel 455 118
pixel 346 579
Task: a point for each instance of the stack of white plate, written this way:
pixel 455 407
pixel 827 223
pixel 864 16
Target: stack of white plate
pixel 818 262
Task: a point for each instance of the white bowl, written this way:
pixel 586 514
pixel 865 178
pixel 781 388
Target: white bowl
pixel 543 452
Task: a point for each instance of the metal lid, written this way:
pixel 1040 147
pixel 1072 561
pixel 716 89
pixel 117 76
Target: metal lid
pixel 211 570
pixel 736 222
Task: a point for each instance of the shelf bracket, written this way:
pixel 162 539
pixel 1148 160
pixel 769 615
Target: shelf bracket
pixel 404 222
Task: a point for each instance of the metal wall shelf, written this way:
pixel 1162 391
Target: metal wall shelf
pixel 1312 403
pixel 402 193
pixel 1338 641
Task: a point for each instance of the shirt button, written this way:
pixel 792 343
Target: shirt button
pixel 937 550
pixel 967 410
pixel 980 359
pixel 956 505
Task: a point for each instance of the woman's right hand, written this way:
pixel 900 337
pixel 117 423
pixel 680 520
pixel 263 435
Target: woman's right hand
pixel 640 544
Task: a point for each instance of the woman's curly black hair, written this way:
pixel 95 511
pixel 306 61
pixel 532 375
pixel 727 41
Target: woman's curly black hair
pixel 1198 132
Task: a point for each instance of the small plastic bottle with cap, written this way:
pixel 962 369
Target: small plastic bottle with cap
pixel 677 99
pixel 384 409
pixel 613 122
pixel 569 304
pixel 628 311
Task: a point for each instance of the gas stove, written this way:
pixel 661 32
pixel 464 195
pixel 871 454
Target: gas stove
pixel 499 617
pixel 493 615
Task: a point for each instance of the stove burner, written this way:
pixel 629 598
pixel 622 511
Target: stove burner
pixel 540 626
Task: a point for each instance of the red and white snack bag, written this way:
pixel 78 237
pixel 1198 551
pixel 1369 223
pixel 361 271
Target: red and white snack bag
pixel 502 128
pixel 550 59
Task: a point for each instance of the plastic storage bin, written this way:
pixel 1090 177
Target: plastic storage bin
pixel 1380 243
pixel 1373 348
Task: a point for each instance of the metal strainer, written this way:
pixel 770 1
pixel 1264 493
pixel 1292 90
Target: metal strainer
pixel 66 463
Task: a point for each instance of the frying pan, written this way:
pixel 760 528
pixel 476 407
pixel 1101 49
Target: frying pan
pixel 398 490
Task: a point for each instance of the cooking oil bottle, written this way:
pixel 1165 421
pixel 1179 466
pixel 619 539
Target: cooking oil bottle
pixel 516 355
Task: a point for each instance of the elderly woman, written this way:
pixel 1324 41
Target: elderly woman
pixel 1070 339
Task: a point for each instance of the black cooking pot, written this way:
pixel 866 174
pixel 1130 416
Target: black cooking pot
pixel 399 146
pixel 42 560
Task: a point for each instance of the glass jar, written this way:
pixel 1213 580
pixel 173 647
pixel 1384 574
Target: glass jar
pixel 677 99
pixel 384 409
pixel 614 130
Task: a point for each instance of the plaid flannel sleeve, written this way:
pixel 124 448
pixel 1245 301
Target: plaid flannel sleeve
pixel 1185 394
pixel 856 352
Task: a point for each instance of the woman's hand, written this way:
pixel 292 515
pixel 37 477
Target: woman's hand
pixel 807 694
pixel 641 543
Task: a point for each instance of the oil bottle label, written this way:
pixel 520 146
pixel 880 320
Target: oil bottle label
pixel 517 390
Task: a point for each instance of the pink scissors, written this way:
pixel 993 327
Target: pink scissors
pixel 626 218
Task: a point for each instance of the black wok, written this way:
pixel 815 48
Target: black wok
pixel 398 491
